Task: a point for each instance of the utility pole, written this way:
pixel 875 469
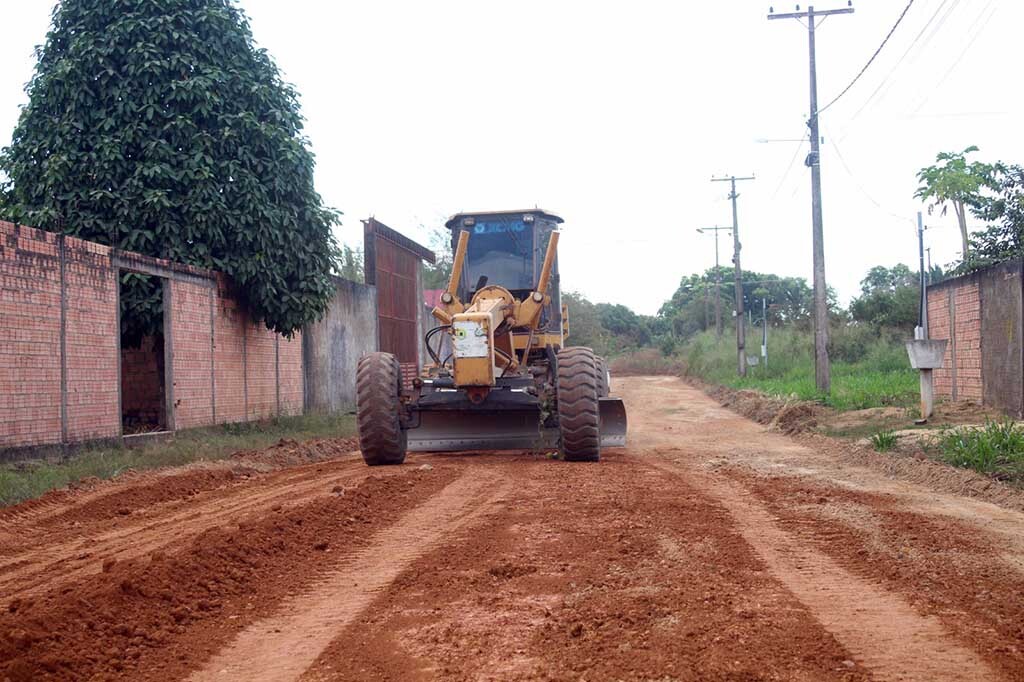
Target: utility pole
pixel 741 328
pixel 822 372
pixel 718 277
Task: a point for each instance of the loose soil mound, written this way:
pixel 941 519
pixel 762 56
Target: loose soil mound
pixel 787 416
pixel 287 452
pixel 141 618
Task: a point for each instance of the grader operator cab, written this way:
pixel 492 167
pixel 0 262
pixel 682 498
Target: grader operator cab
pixel 502 377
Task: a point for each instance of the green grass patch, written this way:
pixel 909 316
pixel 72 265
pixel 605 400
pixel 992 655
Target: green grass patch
pixel 997 449
pixel 883 441
pixel 871 372
pixel 21 481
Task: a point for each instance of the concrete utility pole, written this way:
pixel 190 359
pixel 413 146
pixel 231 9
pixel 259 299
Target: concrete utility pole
pixel 822 372
pixel 741 328
pixel 718 277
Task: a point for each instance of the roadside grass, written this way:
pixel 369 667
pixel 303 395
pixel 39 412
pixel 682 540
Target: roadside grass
pixel 25 480
pixel 883 441
pixel 871 372
pixel 996 449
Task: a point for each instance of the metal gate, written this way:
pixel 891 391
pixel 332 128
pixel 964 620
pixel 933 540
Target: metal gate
pixel 392 264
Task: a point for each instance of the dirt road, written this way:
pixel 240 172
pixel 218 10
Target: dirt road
pixel 709 548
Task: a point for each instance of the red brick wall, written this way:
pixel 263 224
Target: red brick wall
pixel 229 355
pixel 193 360
pixel 966 300
pixel 30 320
pixel 92 342
pixel 225 369
pixel 260 371
pixel 291 375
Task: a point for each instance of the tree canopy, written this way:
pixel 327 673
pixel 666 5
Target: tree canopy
pixel 159 127
pixel 1004 239
pixel 953 180
pixel 890 297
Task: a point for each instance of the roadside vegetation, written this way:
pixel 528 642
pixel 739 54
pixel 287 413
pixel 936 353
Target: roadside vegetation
pixel 869 371
pixel 996 449
pixel 28 479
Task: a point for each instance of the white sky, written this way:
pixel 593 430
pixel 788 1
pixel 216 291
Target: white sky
pixel 616 115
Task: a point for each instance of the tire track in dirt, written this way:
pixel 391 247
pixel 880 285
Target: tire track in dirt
pixel 40 569
pixel 283 647
pixel 612 571
pixel 881 629
pixel 158 617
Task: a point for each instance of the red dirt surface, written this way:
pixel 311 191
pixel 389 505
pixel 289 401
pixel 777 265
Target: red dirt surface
pixel 710 548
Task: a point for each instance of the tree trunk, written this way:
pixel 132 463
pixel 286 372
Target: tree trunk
pixel 961 216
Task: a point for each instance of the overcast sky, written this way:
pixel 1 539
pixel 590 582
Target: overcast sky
pixel 616 115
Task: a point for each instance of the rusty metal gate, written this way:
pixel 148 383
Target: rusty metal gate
pixel 392 265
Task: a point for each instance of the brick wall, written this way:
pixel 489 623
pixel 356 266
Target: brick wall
pixel 229 324
pixel 291 373
pixel 958 301
pixel 60 347
pixel 30 331
pixel 191 346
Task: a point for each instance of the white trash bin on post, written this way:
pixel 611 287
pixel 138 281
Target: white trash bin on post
pixel 926 355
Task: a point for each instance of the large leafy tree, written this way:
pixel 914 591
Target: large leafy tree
pixel 954 180
pixel 159 127
pixel 889 298
pixel 1004 239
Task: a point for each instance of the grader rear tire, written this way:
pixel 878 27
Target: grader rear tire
pixel 378 404
pixel 579 416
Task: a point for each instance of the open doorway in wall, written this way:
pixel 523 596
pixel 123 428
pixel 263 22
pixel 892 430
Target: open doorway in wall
pixel 143 371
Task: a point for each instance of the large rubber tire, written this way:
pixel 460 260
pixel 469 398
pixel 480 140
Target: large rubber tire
pixel 602 378
pixel 579 416
pixel 378 405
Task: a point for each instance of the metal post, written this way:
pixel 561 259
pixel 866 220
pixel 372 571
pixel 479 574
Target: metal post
pixel 922 317
pixel 764 331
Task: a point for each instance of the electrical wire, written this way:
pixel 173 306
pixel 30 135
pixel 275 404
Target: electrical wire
pixel 789 168
pixel 865 68
pixel 900 61
pixel 970 43
pixel 867 195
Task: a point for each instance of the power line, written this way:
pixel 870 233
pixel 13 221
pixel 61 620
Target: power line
pixel 789 168
pixel 861 73
pixel 867 195
pixel 967 47
pixel 900 61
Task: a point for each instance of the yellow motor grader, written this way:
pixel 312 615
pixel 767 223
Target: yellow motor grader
pixel 502 377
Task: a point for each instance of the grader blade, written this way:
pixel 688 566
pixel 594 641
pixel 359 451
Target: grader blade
pixel 451 430
pixel 613 422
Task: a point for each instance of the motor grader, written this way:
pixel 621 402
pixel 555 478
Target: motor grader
pixel 501 377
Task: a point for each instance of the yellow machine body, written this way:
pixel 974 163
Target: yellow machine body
pixel 491 389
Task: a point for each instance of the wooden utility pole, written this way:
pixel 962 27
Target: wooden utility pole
pixel 718 278
pixel 822 373
pixel 741 328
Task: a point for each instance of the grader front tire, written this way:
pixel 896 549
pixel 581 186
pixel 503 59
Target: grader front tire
pixel 579 415
pixel 378 405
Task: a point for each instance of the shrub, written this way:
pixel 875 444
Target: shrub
pixel 996 449
pixel 883 441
